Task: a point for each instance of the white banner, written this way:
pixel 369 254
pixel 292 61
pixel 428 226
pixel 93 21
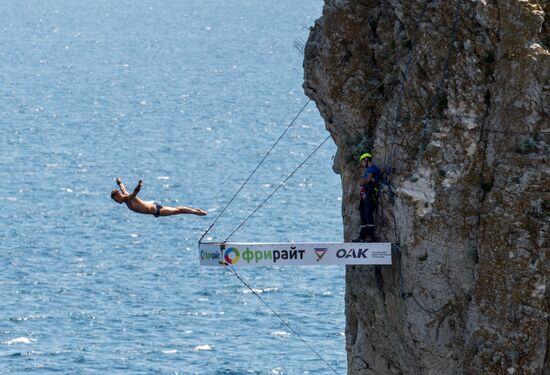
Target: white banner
pixel 295 254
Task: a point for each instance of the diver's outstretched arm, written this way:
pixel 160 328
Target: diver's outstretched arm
pixel 136 190
pixel 121 186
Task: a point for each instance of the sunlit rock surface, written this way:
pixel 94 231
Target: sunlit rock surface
pixel 453 98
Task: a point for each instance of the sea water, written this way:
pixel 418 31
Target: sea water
pixel 187 95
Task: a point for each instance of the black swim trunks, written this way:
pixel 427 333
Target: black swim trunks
pixel 158 207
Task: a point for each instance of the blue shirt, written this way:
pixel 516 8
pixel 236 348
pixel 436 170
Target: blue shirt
pixel 368 189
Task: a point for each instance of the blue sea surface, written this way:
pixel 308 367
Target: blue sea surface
pixel 187 95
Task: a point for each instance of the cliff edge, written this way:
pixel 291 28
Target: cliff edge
pixel 452 98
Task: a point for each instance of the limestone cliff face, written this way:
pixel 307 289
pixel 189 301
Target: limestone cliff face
pixel 453 98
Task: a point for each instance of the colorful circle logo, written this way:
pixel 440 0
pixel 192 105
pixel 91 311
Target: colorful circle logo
pixel 232 255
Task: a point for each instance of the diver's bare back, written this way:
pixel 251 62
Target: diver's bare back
pixel 136 204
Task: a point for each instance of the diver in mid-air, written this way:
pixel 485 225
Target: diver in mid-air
pixel 138 205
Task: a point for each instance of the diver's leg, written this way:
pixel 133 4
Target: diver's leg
pixel 168 211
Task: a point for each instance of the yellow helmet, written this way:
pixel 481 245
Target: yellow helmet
pixel 365 155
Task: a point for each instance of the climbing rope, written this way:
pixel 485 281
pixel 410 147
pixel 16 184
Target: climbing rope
pixel 277 189
pixel 369 95
pixel 231 269
pixel 234 273
pixel 299 166
pixel 254 171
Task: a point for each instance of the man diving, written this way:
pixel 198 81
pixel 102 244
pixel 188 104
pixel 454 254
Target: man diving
pixel 136 204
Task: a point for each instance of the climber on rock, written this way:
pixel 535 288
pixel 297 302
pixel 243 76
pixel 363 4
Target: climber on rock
pixel 368 198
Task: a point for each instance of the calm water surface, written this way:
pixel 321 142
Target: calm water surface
pixel 187 95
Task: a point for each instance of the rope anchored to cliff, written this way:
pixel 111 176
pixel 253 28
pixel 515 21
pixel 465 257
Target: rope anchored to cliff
pixel 231 255
pixel 255 169
pixel 277 189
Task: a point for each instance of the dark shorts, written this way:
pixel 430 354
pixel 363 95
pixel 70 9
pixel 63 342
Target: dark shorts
pixel 157 211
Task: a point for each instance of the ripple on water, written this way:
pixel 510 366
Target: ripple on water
pixel 31 353
pixel 19 340
pixel 260 291
pixel 280 334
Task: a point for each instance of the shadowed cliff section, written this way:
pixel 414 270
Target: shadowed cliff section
pixel 453 99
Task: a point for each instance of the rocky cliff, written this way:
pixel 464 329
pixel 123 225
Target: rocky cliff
pixel 453 98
